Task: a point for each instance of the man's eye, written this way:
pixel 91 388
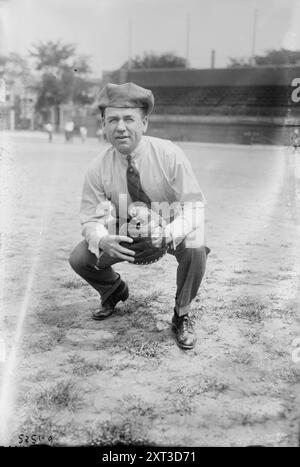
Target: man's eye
pixel 129 119
pixel 112 120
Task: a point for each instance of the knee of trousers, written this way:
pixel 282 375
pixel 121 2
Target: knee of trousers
pixel 196 254
pixel 79 258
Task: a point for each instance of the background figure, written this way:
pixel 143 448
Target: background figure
pixel 69 128
pixel 295 139
pixel 49 129
pixel 83 133
pixel 100 134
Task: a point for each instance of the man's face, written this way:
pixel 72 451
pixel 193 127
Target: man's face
pixel 124 128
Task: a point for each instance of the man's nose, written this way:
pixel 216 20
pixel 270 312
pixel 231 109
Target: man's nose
pixel 121 125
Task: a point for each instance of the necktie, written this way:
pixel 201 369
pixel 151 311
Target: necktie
pixel 134 184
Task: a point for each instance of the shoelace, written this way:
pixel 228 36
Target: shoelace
pixel 187 324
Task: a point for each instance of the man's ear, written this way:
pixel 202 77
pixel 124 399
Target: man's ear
pixel 102 118
pixel 145 124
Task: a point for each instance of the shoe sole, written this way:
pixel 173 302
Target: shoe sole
pixel 184 347
pixel 123 299
pixel 102 317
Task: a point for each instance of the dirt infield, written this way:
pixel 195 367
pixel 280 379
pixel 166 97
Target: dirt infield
pixel 124 380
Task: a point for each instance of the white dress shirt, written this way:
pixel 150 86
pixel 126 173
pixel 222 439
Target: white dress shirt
pixel 166 176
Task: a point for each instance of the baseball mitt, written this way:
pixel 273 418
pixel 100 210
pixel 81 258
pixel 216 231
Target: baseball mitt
pixel 145 252
pixel 145 229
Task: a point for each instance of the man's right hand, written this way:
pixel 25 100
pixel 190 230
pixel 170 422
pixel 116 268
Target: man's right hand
pixel 110 245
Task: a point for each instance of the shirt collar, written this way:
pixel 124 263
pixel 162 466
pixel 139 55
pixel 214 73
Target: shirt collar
pixel 138 152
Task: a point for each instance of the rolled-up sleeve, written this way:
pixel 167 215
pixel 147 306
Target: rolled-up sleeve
pixel 94 209
pixel 188 221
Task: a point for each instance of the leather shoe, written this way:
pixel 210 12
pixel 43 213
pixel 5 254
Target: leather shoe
pixel 184 332
pixel 108 307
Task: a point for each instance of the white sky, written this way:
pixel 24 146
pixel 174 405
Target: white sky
pixel 100 27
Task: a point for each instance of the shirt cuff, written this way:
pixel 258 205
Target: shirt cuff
pixel 189 226
pixel 177 231
pixel 94 237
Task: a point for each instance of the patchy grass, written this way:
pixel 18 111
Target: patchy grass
pixel 141 347
pixel 182 405
pixel 278 312
pixel 73 284
pixel 48 296
pixel 137 407
pixel 126 432
pixel 203 385
pixel 57 318
pixel 63 395
pixel 238 356
pixel 82 367
pixel 144 321
pixel 45 342
pixel 285 268
pixel 282 276
pixel 252 416
pixel 253 335
pixel 243 271
pixel 248 308
pixel 233 282
pixel 140 304
pixel 185 395
pixel 289 374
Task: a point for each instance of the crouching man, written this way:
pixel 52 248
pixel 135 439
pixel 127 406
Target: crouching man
pixel 135 173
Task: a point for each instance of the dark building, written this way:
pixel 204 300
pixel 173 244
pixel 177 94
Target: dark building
pixel 239 105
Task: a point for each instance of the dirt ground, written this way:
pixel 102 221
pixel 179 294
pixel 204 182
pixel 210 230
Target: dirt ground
pixel 124 380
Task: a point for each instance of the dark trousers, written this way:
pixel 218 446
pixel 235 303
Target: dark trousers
pixel 190 271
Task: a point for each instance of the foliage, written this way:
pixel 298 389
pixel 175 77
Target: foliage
pixel 52 55
pixel 238 62
pixel 279 57
pixel 18 78
pixel 270 57
pixel 153 60
pixel 63 74
pixel 14 66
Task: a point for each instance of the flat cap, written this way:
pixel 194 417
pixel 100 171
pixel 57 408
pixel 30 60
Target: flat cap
pixel 127 95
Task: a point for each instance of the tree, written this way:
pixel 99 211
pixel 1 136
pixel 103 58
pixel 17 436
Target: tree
pixel 19 85
pixel 14 66
pixel 238 62
pixel 270 57
pixel 52 55
pixel 153 60
pixel 63 75
pixel 279 57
